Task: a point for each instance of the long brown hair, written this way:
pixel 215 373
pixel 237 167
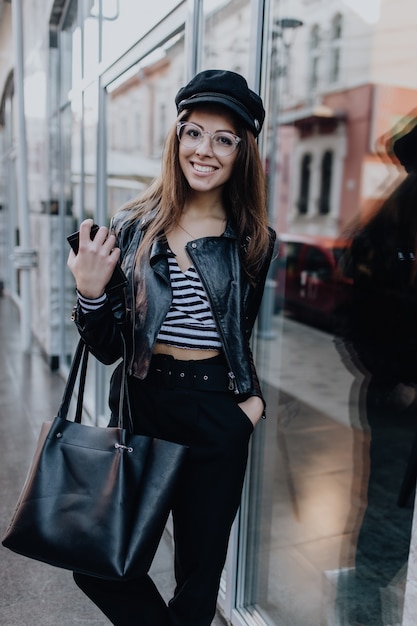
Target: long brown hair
pixel 244 198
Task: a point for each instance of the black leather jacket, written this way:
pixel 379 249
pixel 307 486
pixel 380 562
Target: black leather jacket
pixel 234 303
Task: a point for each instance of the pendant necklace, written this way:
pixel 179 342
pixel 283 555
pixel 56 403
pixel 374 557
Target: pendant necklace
pixel 186 231
pixel 192 236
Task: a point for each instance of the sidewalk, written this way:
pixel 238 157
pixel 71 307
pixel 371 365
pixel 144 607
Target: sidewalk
pixel 33 593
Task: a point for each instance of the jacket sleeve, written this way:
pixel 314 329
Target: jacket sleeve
pixel 257 290
pixel 102 329
pixel 256 387
pixel 254 302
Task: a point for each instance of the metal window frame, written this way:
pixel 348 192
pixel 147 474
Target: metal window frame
pixel 231 601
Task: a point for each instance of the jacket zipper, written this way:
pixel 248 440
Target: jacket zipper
pixel 133 311
pixel 232 378
pixel 132 358
pixel 232 382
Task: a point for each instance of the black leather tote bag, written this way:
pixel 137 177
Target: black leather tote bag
pixel 95 500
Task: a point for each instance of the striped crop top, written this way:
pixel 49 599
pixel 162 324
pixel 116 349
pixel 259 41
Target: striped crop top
pixel 189 322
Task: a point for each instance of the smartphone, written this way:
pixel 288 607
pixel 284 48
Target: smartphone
pixel 118 279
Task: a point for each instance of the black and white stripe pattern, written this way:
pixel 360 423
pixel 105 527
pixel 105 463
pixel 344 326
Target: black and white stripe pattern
pixel 189 322
pixel 91 304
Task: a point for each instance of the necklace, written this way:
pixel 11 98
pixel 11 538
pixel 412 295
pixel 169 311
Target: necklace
pixel 186 231
pixel 192 236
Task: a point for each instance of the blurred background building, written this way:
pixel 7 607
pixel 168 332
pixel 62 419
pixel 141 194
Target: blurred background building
pixel 86 98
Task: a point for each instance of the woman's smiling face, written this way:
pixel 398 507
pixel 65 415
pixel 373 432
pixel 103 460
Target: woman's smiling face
pixel 204 170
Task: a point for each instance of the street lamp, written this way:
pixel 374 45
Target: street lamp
pixel 286 28
pixel 110 9
pixel 289 24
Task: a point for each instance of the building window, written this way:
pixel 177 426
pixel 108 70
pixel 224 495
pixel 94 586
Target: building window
pixel 304 184
pixel 325 182
pixel 335 45
pixel 337 27
pixel 162 126
pixel 314 56
pixel 123 144
pixel 138 132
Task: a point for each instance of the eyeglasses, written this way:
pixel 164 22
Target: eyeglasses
pixel 223 143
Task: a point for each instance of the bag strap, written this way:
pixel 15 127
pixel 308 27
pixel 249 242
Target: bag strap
pixel 81 358
pixel 81 385
pixel 72 377
pixel 124 390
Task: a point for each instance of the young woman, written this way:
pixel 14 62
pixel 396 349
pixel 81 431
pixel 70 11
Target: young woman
pixel 196 249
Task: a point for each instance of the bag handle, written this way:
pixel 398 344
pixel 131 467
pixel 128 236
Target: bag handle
pixel 81 385
pixel 72 376
pixel 81 358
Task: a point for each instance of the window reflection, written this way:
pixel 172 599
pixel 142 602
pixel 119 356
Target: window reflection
pixel 325 182
pixel 379 339
pixel 138 120
pixel 315 56
pixel 90 111
pixel 124 22
pixel 227 26
pixel 65 170
pixel 91 40
pixel 304 184
pixel 333 476
pixel 335 49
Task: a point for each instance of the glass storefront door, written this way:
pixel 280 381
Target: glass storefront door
pixel 8 192
pixel 326 527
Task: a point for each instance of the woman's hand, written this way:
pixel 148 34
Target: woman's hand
pixel 94 264
pixel 253 407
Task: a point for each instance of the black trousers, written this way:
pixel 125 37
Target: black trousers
pixel 217 432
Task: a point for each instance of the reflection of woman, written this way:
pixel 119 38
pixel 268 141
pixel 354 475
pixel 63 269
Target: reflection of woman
pixel 382 330
pixel 196 250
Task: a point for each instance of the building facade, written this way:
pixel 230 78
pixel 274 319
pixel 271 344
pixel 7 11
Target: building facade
pixel 86 98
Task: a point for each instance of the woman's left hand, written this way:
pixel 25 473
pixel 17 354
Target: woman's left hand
pixel 253 407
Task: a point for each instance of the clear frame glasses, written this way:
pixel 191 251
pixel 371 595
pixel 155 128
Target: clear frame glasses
pixel 223 142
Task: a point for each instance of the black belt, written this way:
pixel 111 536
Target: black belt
pixel 205 375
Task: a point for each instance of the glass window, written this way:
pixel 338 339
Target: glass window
pixel 227 27
pixel 88 207
pixel 325 182
pixel 8 189
pixel 315 56
pixel 90 39
pixel 326 531
pixel 140 109
pixel 335 44
pixel 305 177
pixel 65 204
pixel 3 222
pixel 318 262
pixel 124 23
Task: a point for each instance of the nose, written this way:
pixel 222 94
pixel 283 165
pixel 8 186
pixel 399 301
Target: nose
pixel 205 147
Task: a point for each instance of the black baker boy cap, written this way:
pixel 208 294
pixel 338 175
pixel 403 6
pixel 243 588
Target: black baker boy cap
pixel 228 89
